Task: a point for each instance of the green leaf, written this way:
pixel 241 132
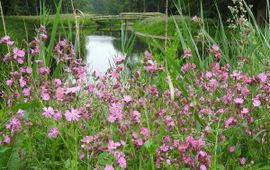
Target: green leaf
pixel 4 149
pixel 220 167
pixel 150 147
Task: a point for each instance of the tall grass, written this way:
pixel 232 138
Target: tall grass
pixel 166 114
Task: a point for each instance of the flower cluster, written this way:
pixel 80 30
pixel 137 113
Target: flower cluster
pixel 125 120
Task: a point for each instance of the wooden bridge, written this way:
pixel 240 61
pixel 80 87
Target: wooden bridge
pixel 123 17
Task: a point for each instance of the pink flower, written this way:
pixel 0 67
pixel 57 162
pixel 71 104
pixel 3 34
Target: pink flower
pixel 127 99
pixel 203 167
pixel 72 90
pixel 187 53
pixel 138 73
pixel 215 47
pixel 87 139
pixel 45 96
pixel 91 88
pixel 10 43
pixel 44 70
pixel 7 139
pixel 109 167
pixel 139 142
pixel 182 148
pixel 148 55
pixel 113 145
pixel 238 100
pixel 115 111
pixel 14 125
pixel 144 132
pixel 122 162
pixel 242 160
pixel 164 148
pixel 53 133
pixel 57 115
pixel 231 149
pixel 4 39
pixel 195 18
pixel 9 82
pixel 73 115
pixel 22 82
pixel 119 59
pixel 195 144
pixel 213 84
pixel 59 93
pixel 137 116
pixel 19 55
pixel 256 102
pixel 48 112
pixel 82 155
pixel 230 121
pixel 262 77
pixel 20 112
pixel 245 111
pixel 43 36
pixel 215 51
pixel 57 82
pixel 26 91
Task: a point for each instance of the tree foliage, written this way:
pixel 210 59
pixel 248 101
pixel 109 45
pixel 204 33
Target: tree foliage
pixel 188 7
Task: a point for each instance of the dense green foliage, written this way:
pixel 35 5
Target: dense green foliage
pixel 188 7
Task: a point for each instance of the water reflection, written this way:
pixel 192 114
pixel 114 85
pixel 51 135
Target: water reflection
pixel 102 47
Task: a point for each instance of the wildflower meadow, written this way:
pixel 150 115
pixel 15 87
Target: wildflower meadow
pixel 201 102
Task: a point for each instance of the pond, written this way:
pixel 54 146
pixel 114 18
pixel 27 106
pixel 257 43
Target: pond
pixel 103 46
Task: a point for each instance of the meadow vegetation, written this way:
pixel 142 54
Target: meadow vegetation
pixel 201 101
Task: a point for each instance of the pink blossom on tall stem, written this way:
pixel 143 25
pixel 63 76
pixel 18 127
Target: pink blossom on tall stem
pixel 60 93
pixel 53 133
pixel 238 101
pixel 48 112
pixel 7 139
pixel 230 121
pixel 231 149
pixel 203 167
pixel 113 145
pixel 20 112
pixel 144 132
pixel 73 115
pixel 187 53
pixel 195 18
pixel 256 102
pixel 215 50
pixel 127 99
pixel 9 82
pixel 44 70
pixel 119 59
pixel 148 55
pixel 19 55
pixel 22 82
pixel 139 142
pixel 57 82
pixel 262 77
pixel 27 91
pixel 109 167
pixel 122 162
pixel 4 39
pixel 115 111
pixel 242 161
pixel 45 96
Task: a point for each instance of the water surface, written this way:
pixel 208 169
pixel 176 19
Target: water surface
pixel 103 46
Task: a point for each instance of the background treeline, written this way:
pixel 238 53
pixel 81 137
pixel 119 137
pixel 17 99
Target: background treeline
pixel 190 7
pixel 32 7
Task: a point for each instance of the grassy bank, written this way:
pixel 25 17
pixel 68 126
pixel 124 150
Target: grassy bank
pixel 19 27
pixel 156 25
